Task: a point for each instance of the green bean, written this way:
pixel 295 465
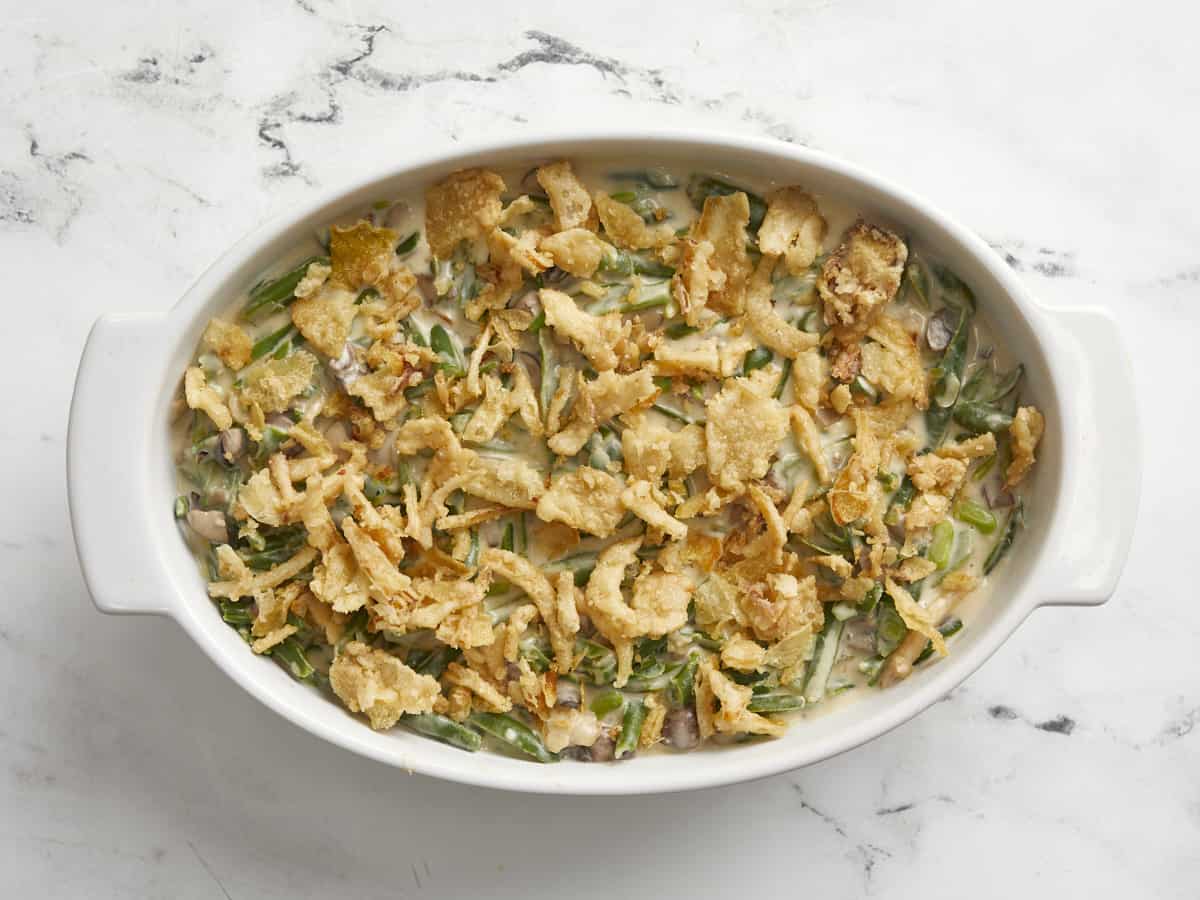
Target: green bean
pixel 942 544
pixel 980 417
pixel 514 733
pixel 643 305
pixel 291 654
pixel 1015 520
pixel 279 545
pixel 441 343
pixel 605 702
pixel 904 494
pixel 472 559
pixel 271 342
pixel 756 359
pixel 644 204
pixel 889 628
pixel 889 480
pixel 367 293
pixel 937 417
pixel 680 329
pixel 701 187
pixel 468 285
pixel 872 667
pixel 955 292
pixel 870 600
pixel 408 245
pixel 775 702
pixel 1007 384
pixel 538 323
pixel 444 729
pixel 653 678
pixel 677 415
pixel 660 179
pixel 236 613
pixel 916 281
pixel 508 542
pixel 681 689
pixel 833 534
pixel 949 628
pixel 580 563
pixel 622 262
pixel 784 375
pixel 631 728
pixel 597 663
pixel 433 662
pixel 651 268
pixel 548 362
pixel 975 515
pixel 861 386
pixel 984 467
pixel 522 542
pixel 534 654
pixel 825 654
pixel 279 292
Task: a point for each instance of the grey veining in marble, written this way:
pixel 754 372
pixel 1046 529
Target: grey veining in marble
pixel 138 140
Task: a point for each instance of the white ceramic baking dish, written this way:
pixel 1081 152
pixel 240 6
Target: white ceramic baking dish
pixel 1079 525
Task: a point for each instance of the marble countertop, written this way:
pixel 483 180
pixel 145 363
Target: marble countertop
pixel 138 140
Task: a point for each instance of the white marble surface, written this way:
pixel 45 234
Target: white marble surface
pixel 138 140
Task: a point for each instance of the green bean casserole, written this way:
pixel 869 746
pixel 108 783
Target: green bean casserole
pixel 582 461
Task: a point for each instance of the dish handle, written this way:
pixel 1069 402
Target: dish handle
pixel 1102 464
pixel 108 465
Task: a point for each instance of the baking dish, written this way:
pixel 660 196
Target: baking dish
pixel 1078 531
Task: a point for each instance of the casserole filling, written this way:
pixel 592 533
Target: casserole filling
pixel 587 462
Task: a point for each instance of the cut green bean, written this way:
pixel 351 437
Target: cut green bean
pixel 861 386
pixel 632 721
pixel 432 662
pixel 605 702
pixel 916 281
pixel 408 245
pixel 444 729
pixel 278 293
pixel 981 471
pixel 784 375
pixel 291 654
pixel 756 359
pixel 271 342
pixel 701 187
pixel 889 628
pixel 950 370
pixel 514 734
pixel 979 417
pixel 681 689
pixel 824 656
pixel 955 292
pixel 677 415
pixel 441 343
pixel 679 330
pixel 870 600
pixel 949 628
pixel 643 305
pixel 975 515
pixel 776 702
pixel 236 613
pixel 1015 520
pixel 659 179
pixel 942 544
